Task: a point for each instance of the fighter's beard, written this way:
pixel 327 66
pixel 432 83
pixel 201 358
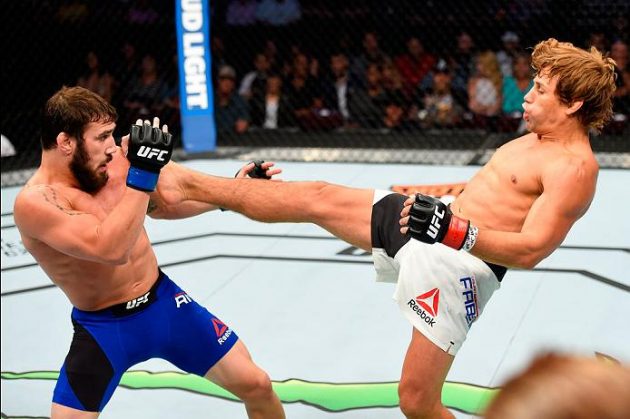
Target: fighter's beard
pixel 89 180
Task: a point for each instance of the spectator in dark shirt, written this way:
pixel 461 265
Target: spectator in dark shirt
pixel 368 104
pixel 339 89
pixel 254 82
pixel 96 78
pixel 125 72
pixel 147 90
pixel 371 54
pixel 272 110
pixel 395 117
pixel 301 87
pixel 462 66
pixel 619 53
pixel 230 110
pixel 393 83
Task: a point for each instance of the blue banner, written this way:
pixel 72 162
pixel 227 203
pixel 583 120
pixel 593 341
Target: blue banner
pixel 195 85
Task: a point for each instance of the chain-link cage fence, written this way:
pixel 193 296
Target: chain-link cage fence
pixel 358 80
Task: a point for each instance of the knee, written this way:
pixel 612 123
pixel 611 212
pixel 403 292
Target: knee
pixel 322 200
pixel 416 402
pixel 255 387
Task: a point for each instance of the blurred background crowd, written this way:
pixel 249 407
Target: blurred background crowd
pixel 306 66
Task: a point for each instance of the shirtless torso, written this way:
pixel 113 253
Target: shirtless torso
pixel 501 194
pixel 89 284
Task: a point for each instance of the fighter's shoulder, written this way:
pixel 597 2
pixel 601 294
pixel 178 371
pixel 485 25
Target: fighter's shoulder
pixel 34 202
pixel 517 142
pixel 581 163
pixel 577 172
pixel 33 194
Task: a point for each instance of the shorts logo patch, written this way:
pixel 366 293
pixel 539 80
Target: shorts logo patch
pixel 182 298
pixel 432 297
pixel 470 299
pixel 426 305
pixel 222 331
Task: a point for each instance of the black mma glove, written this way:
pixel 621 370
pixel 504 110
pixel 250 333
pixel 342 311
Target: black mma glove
pixel 258 172
pixel 430 221
pixel 149 150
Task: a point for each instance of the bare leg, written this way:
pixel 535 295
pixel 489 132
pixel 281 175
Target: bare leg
pixel 424 371
pixel 343 211
pixel 237 373
pixel 63 412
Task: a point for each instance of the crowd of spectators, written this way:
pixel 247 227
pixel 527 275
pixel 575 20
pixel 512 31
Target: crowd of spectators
pixel 372 89
pixel 401 85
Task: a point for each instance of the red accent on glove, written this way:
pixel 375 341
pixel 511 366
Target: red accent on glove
pixel 456 233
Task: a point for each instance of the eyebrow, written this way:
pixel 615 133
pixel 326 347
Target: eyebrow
pixel 541 84
pixel 106 133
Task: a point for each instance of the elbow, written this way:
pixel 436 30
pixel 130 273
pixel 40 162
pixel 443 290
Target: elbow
pixel 113 255
pixel 530 259
pixel 116 258
pixel 527 263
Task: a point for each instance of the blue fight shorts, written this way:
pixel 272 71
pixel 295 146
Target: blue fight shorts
pixel 163 323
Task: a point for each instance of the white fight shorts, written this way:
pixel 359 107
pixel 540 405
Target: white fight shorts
pixel 441 291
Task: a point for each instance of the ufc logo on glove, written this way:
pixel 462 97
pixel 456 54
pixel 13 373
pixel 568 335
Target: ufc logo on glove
pixel 149 153
pixel 435 226
pixel 149 150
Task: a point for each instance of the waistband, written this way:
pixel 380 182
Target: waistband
pixel 134 305
pixel 499 271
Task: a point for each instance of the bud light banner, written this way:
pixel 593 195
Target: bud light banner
pixel 195 84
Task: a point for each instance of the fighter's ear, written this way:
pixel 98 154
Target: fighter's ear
pixel 65 143
pixel 574 107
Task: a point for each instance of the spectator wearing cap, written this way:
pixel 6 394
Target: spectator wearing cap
pixel 441 110
pixel 230 110
pixel 506 55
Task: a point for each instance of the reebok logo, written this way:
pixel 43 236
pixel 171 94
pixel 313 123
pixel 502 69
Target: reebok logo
pixel 426 305
pixel 435 225
pixel 137 301
pixel 149 152
pixel 222 331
